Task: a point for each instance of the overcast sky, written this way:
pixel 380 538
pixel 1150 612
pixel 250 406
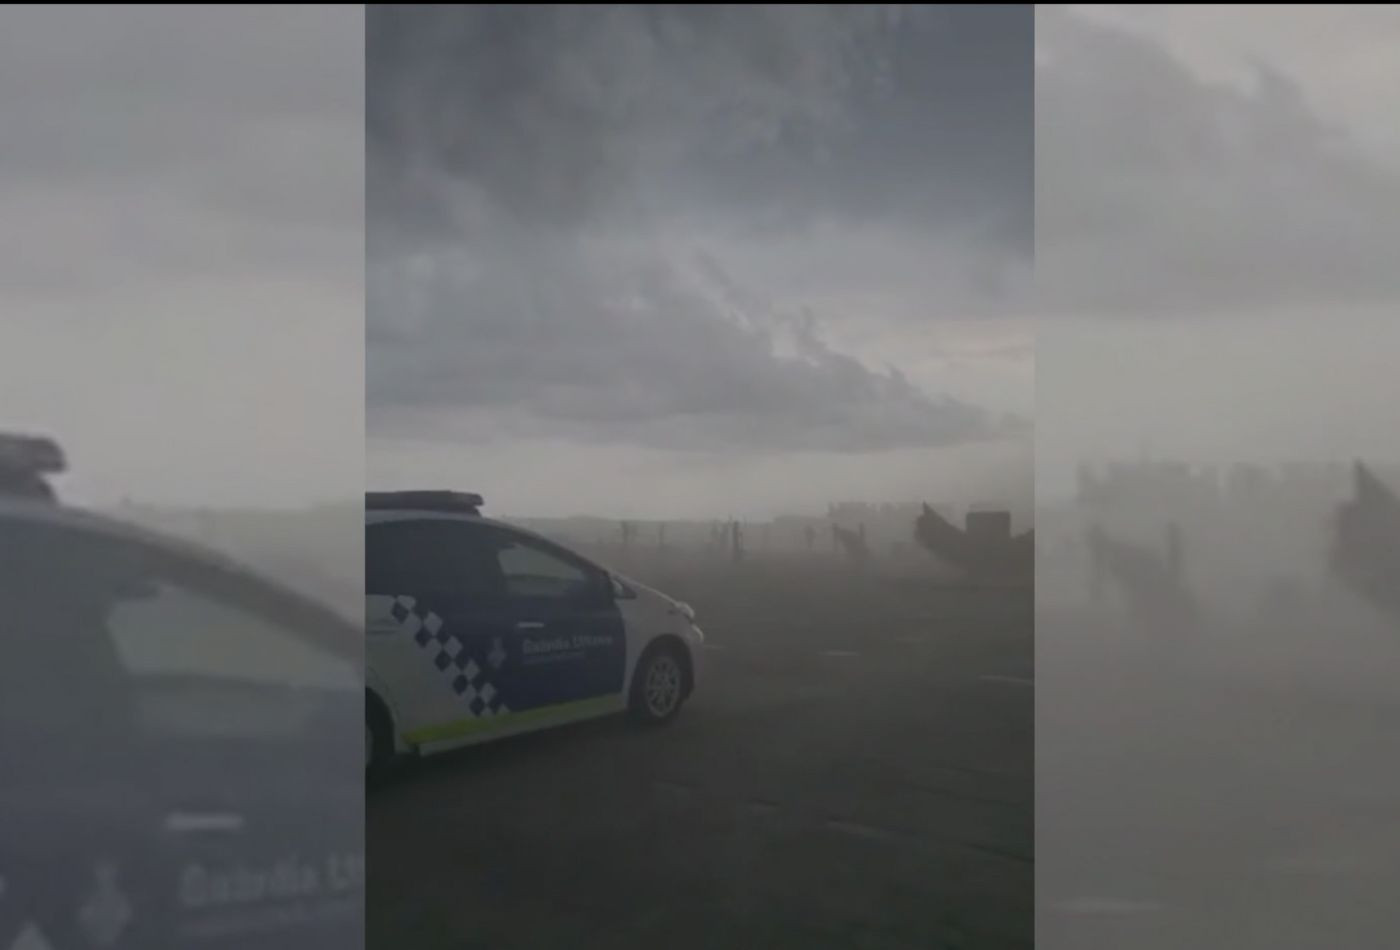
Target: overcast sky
pixel 684 261
pixel 181 248
pixel 1218 233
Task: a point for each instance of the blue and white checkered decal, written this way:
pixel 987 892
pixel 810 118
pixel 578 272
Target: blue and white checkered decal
pixel 465 675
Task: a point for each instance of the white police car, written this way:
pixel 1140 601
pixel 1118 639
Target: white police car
pixel 478 630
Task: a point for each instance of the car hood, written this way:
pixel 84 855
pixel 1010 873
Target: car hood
pixel 651 593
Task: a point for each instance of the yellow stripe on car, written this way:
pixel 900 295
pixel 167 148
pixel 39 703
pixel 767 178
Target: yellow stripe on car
pixel 545 715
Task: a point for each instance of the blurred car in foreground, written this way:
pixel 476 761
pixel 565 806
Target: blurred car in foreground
pixel 180 762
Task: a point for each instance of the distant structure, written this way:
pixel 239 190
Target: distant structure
pixel 984 549
pixel 736 542
pixel 1205 491
pixel 1160 485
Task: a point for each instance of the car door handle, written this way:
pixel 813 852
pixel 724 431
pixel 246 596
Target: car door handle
pixel 530 625
pixel 202 822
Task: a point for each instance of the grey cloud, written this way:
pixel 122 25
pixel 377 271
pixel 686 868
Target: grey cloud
pixel 1159 192
pixel 553 111
pixel 764 118
pixel 534 174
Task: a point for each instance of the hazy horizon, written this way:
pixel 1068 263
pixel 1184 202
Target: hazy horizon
pixel 1218 212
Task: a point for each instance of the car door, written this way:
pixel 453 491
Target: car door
pixel 566 651
pixel 436 627
pixel 174 732
pixel 401 561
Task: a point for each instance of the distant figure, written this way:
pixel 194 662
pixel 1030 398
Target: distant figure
pixel 1365 552
pixel 853 544
pixel 1154 593
pixel 661 536
pixel 736 549
pixel 811 535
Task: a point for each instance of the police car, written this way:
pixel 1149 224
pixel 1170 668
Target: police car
pixel 167 778
pixel 478 630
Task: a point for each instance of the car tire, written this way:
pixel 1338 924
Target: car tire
pixel 379 737
pixel 659 685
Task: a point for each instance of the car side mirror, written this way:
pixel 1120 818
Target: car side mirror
pixel 620 591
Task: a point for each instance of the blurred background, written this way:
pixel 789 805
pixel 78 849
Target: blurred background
pixel 181 283
pixel 1217 656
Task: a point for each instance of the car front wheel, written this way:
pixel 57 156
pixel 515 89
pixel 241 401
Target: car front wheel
pixel 658 686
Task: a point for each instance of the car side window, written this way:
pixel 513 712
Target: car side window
pixel 133 638
pixel 428 556
pixel 533 572
pixel 177 630
pixel 178 636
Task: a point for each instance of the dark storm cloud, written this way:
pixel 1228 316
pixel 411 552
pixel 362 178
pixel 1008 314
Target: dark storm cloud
pixel 560 115
pixel 169 140
pixel 1161 192
pixel 531 171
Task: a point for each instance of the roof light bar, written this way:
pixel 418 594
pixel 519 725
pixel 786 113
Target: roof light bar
pixel 425 500
pixel 31 454
pixel 25 460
